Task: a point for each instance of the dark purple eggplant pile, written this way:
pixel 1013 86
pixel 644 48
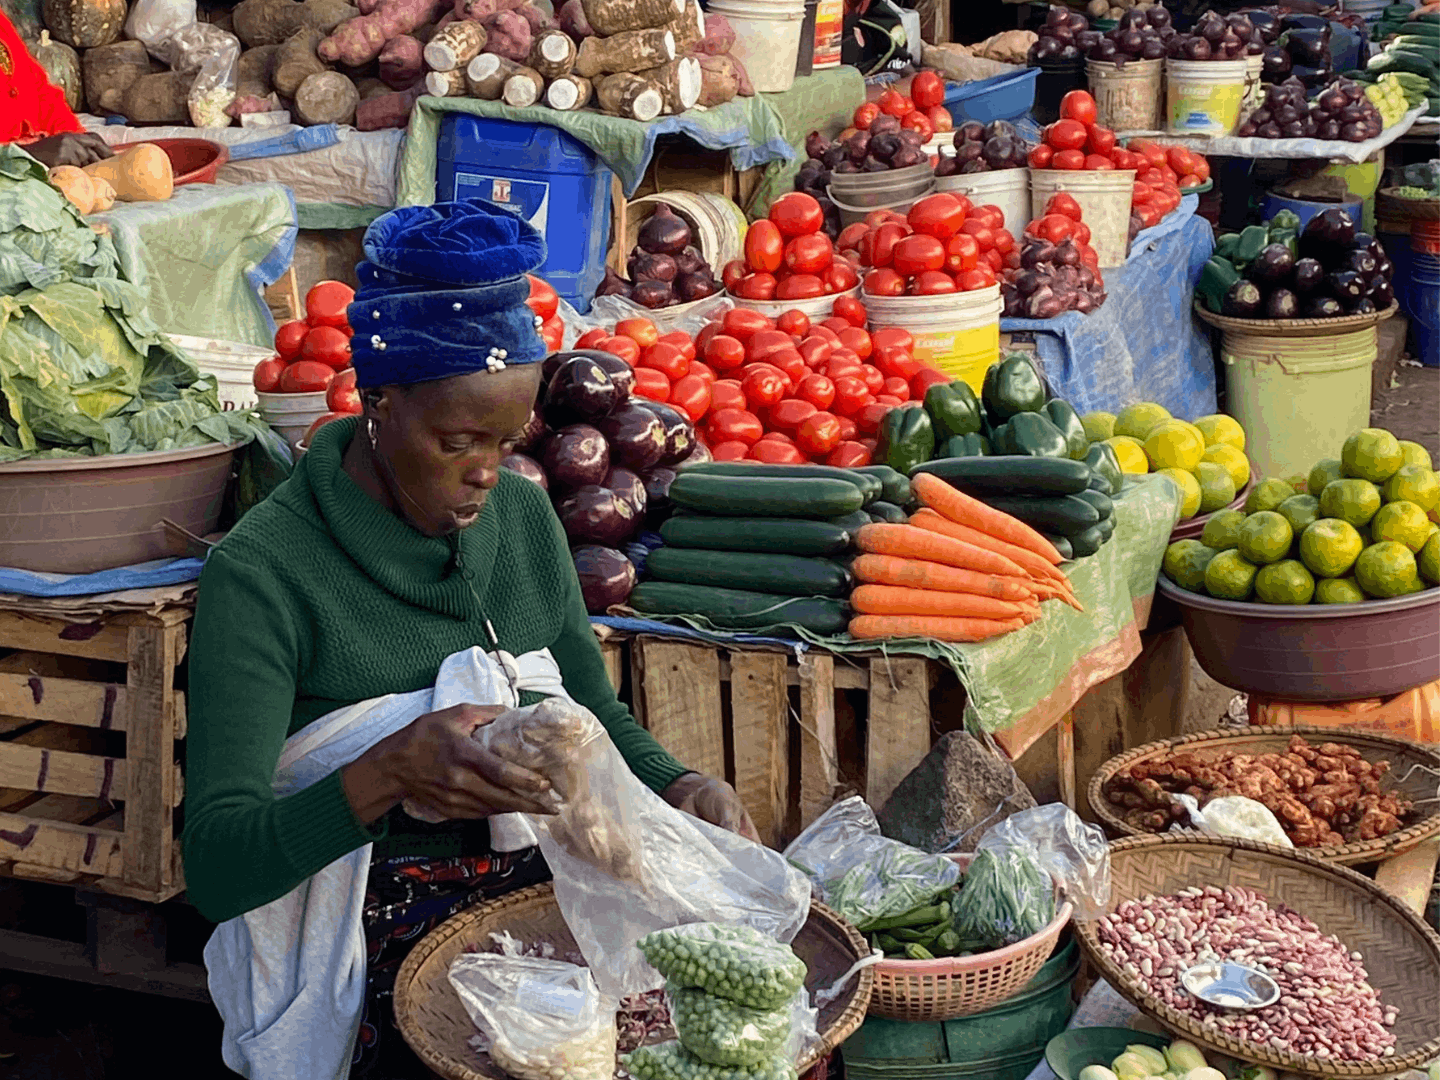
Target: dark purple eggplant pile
pixel 1218 37
pixel 1340 113
pixel 665 267
pixel 1297 46
pixel 983 148
pixel 1051 280
pixel 1141 35
pixel 1057 40
pixel 606 458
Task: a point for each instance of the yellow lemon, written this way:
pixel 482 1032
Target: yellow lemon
pixel 1267 495
pixel 1386 569
pixel 1403 522
pixel 1190 495
pixel 1329 547
pixel 1098 426
pixel 1413 483
pixel 1131 454
pixel 1232 460
pixel 1265 537
pixel 1340 590
pixel 1229 577
pixel 1221 430
pixel 1185 562
pixel 1137 420
pixel 1371 454
pixel 1325 471
pixel 1353 500
pixel 1222 531
pixel 1217 487
pixel 1415 454
pixel 1174 444
pixel 1286 582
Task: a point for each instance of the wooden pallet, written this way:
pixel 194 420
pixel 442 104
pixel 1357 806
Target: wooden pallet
pixel 89 776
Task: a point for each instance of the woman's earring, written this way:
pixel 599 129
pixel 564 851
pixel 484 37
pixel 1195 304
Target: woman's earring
pixel 372 430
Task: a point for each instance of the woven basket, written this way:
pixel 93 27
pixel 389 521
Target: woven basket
pixel 1401 753
pixel 437 1028
pixel 1402 954
pixel 952 987
pixel 1341 324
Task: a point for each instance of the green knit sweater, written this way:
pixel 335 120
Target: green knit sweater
pixel 320 597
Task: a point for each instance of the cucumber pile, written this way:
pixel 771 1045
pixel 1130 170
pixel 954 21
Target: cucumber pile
pixel 1411 58
pixel 754 547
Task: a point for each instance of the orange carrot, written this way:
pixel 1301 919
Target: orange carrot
pixel 911 543
pixel 918 574
pixel 894 600
pixel 931 626
pixel 1024 557
pixel 966 510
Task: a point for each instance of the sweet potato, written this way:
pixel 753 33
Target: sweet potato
pixel 456 45
pixel 539 21
pixel 401 62
pixel 445 83
pixel 326 97
pixel 244 104
pixel 295 61
pixel 387 110
pixel 159 99
pixel 718 38
pixel 617 16
pixel 252 71
pixel 510 35
pixel 719 81
pixel 631 51
pixel 568 93
pixel 679 82
pixel 571 19
pixel 523 88
pixel 359 40
pixel 108 71
pixel 553 54
pixel 628 95
pixel 485 76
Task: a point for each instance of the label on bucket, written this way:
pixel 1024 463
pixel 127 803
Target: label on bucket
pixel 1205 107
pixel 528 199
pixel 829 28
pixel 962 354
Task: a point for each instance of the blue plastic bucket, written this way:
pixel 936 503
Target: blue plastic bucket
pixel 1421 301
pixel 1002 97
pixel 1305 209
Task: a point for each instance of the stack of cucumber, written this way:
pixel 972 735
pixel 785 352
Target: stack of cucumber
pixel 1412 57
pixel 757 547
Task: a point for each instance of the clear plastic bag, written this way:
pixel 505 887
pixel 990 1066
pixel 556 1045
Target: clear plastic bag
pixel 671 1061
pixel 1075 854
pixel 152 21
pixel 734 962
pixel 862 875
pixel 720 1032
pixel 212 55
pixel 1006 898
pixel 1237 816
pixel 543 1019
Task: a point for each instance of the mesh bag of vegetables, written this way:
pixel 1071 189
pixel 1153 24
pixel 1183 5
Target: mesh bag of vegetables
pixel 720 1032
pixel 732 962
pixel 671 1061
pixel 1005 898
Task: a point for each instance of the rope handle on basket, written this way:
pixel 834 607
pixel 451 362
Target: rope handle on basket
pixel 831 992
pixel 1422 768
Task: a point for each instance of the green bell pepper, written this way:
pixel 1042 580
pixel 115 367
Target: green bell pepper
pixel 1033 435
pixel 1253 239
pixel 1225 246
pixel 1001 443
pixel 1289 237
pixel 1285 219
pixel 1013 386
pixel 1215 280
pixel 954 409
pixel 907 438
pixel 971 445
pixel 1104 464
pixel 1063 417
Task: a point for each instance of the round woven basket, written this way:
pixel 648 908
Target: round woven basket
pixel 435 1025
pixel 1343 324
pixel 1402 754
pixel 952 987
pixel 1390 205
pixel 1402 954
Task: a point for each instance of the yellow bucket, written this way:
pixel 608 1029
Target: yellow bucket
pixel 1204 96
pixel 957 334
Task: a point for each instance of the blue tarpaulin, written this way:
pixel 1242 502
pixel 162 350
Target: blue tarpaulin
pixel 1144 343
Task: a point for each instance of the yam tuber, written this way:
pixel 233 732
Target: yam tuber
pixel 628 95
pixel 359 40
pixel 326 97
pixel 610 17
pixel 523 88
pixel 480 10
pixel 163 98
pixel 679 82
pixel 553 54
pixel 539 21
pixel 719 80
pixel 140 174
pixel 445 84
pixel 689 26
pixel 568 93
pixel 108 72
pixel 296 61
pixel 631 51
pixel 75 184
pixel 485 76
pixel 571 19
pixel 326 15
pixel 718 37
pixel 252 71
pixel 456 45
pixel 269 22
pixel 402 62
pixel 381 111
pixel 509 35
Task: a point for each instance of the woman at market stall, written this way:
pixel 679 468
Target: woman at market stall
pixel 397 542
pixel 33 112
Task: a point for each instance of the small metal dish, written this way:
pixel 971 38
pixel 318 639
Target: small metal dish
pixel 1230 986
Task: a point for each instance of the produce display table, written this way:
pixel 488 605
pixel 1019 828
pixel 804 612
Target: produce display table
pixel 206 255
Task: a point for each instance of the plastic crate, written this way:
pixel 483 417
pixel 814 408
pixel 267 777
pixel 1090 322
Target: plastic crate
pixel 1001 97
pixel 543 175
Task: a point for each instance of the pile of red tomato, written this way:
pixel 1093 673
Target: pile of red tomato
pixel 943 245
pixel 789 257
pixel 313 354
pixel 1160 174
pixel 923 110
pixel 1062 221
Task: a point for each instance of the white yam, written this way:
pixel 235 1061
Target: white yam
pixel 523 88
pixel 631 51
pixel 689 27
pixel 455 46
pixel 445 84
pixel 679 83
pixel 485 76
pixel 568 93
pixel 326 97
pixel 553 54
pixel 609 17
pixel 628 95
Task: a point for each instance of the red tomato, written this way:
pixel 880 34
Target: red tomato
pixel 919 123
pixel 1168 175
pixel 742 323
pixel 857 341
pixel 326 302
pixel 702 370
pixel 641 331
pixel 681 341
pixel 1041 156
pixel 730 450
pixel 982 234
pixel 1150 215
pixel 882 244
pixel 810 253
pixel 1012 259
pixel 940 119
pixel 692 396
pixel 927 89
pixel 817 390
pixel 1179 159
pixel 835 323
pixel 789 413
pixel 290 337
pixel 873 378
pixel 552 333
pixel 933 283
pixel 326 345
pixel 666 359
pixel 727 394
pixel 623 347
pixel 1068 159
pixel 939 215
pixel 884 283
pixel 793 322
pixel 1151 176
pixel 840 277
pixel 1201 167
pixel 875 218
pixel 1066 134
pixel 1004 241
pixel 800 287
pixel 1190 180
pixel 1152 152
pixel 543 300
pixel 724 353
pixel 851 395
pixel 864 115
pixel 1098 163
pixel 992 259
pixel 266 377
pixel 851 310
pixel 306 376
pixel 734 271
pixel 651 383
pixel 791 363
pixel 896 386
pixel 764 246
pixel 925 378
pixel 764 342
pixel 893 360
pixel 1062 202
pixel 869 418
pixel 819 434
pixel 321 421
pixel 848 455
pixel 774 452
pixel 814 350
pixel 1081 233
pixel 1078 105
pixel 851 235
pixel 591 338
pixel 1054 228
pixel 915 254
pixel 961 253
pixel 762 385
pixel 894 103
pixel 796 214
pixel 1100 140
pixel 824 333
pixel 889 400
pixel 981 277
pixel 1140 194
pixel 848 430
pixel 989 214
pixel 1125 159
pixel 757 286
pixel 727 424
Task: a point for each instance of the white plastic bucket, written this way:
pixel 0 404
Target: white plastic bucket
pixel 1009 189
pixel 767 39
pixel 958 334
pixel 717 223
pixel 853 215
pixel 292 414
pixel 231 362
pixel 817 308
pixel 1104 198
pixel 1127 96
pixel 1254 88
pixel 1204 97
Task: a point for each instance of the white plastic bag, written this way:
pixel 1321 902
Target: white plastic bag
pixel 152 21
pixel 542 1019
pixel 862 875
pixel 1237 816
pixel 606 311
pixel 1075 854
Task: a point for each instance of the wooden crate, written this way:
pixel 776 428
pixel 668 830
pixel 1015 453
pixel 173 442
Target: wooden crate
pixel 89 776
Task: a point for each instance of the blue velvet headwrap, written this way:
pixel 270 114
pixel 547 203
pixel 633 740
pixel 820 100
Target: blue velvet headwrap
pixel 442 293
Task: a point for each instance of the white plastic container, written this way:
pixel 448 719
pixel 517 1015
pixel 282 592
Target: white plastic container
pixel 816 308
pixel 1127 96
pixel 767 39
pixel 956 333
pixel 1254 88
pixel 1204 97
pixel 1104 198
pixel 231 362
pixel 852 215
pixel 1009 189
pixel 292 414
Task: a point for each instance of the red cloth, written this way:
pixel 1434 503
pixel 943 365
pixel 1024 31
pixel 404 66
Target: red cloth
pixel 31 106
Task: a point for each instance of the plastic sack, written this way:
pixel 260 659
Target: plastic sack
pixel 152 21
pixel 1234 815
pixel 1073 853
pixel 212 55
pixel 720 1032
pixel 671 1061
pixel 862 875
pixel 543 1019
pixel 1006 897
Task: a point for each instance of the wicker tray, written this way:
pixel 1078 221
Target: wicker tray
pixel 1344 324
pixel 1391 206
pixel 437 1028
pixel 1401 753
pixel 1402 954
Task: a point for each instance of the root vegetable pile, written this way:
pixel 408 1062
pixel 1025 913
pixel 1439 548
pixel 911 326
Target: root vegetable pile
pixel 1327 1008
pixel 983 148
pixel 1342 112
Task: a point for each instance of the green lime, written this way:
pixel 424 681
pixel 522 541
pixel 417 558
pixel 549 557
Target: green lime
pixel 1415 454
pixel 1413 483
pixel 1189 490
pixel 1300 511
pixel 1340 590
pixel 1230 577
pixel 1286 582
pixel 1329 547
pixel 1428 561
pixel 1267 495
pixel 1098 426
pixel 1371 454
pixel 1355 501
pixel 1386 569
pixel 1222 531
pixel 1265 537
pixel 1403 522
pixel 1325 471
pixel 1217 487
pixel 1137 420
pixel 1185 562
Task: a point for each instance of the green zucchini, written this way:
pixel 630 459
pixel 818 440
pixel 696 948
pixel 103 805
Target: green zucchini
pixel 1107 528
pixel 887 512
pixel 788 575
pixel 850 522
pixel 1061 544
pixel 1065 514
pixel 870 486
pixel 737 609
pixel 894 487
pixel 765 496
pixel 1012 474
pixel 1103 506
pixel 781 536
pixel 1087 542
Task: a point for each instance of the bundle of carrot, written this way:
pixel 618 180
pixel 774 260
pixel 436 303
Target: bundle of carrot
pixel 959 571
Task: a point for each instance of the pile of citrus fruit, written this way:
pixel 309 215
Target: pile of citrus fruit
pixel 1361 527
pixel 1205 459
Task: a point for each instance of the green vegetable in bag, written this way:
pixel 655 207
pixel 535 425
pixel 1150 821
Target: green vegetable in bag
pixel 719 1032
pixel 671 1061
pixel 1005 898
pixel 734 962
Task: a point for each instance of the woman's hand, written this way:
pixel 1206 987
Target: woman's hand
pixel 711 800
pixel 69 149
pixel 435 762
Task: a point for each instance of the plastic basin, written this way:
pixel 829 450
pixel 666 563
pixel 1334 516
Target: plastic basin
pixel 79 515
pixel 1070 1051
pixel 1314 652
pixel 193 161
pixel 1001 97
